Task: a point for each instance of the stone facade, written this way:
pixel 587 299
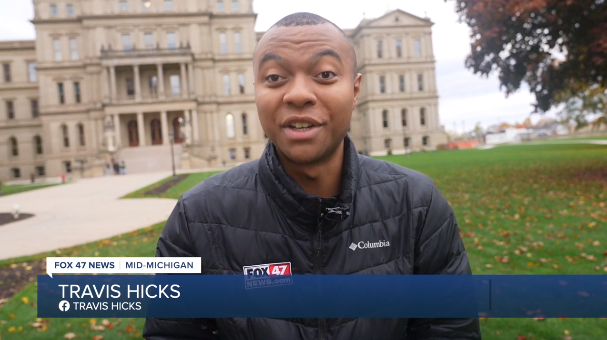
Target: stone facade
pixel 118 79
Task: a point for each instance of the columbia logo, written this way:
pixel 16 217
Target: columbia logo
pixel 367 245
pixel 353 246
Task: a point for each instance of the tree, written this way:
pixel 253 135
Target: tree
pixel 549 44
pixel 581 101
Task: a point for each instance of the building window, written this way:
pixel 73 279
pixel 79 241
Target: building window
pixel 232 154
pixel 7 73
pixel 422 116
pixel 220 6
pixel 146 5
pixel 57 49
pixel 387 143
pixel 247 153
pixel 70 9
pixel 77 92
pixel 171 40
pixel 14 146
pixel 175 85
pixel 168 5
pixel 401 83
pixel 382 84
pixel 417 46
pixel 226 84
pixel 38 143
pixel 74 48
pixel 16 173
pixel 54 11
pixel 380 52
pixel 153 85
pixel 32 75
pixel 124 6
pixel 68 167
pixel 130 87
pixel 241 83
pixel 61 94
pixel 238 42
pixel 234 5
pixel 126 42
pixel 40 171
pixel 384 117
pixel 81 138
pixel 425 140
pixel 66 137
pixel 245 126
pixel 407 142
pixel 35 112
pixel 149 40
pixel 399 48
pixel 403 116
pixel 230 125
pixel 223 45
pixel 10 110
pixel 420 82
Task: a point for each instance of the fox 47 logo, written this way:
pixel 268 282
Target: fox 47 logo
pixel 269 274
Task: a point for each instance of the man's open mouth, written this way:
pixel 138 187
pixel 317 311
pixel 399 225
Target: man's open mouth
pixel 301 126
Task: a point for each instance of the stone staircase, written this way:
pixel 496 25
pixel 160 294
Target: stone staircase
pixel 150 158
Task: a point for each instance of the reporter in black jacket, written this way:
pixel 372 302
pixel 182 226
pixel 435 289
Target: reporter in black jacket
pixel 310 196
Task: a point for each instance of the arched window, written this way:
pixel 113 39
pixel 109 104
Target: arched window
pixel 403 116
pixel 156 131
pixel 81 138
pixel 230 125
pixel 245 127
pixel 426 140
pixel 384 117
pixel 65 135
pixel 422 116
pixel 38 144
pixel 14 147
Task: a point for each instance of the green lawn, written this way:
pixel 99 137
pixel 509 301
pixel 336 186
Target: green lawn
pixel 175 191
pixel 522 209
pixel 15 189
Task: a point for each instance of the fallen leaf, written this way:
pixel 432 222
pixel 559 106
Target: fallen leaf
pixel 11 329
pixel 521 337
pixel 25 299
pixel 129 328
pixel 98 337
pixel 566 332
pixel 11 316
pixel 69 336
pixel 488 266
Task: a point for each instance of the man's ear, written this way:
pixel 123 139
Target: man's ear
pixel 357 81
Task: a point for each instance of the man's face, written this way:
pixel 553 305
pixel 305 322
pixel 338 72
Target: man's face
pixel 305 90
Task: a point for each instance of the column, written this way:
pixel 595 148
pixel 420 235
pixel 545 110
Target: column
pixel 160 81
pixel 113 84
pixel 188 127
pixel 141 128
pixel 117 130
pixel 137 83
pixel 195 126
pixel 165 127
pixel 191 79
pixel 106 84
pixel 184 83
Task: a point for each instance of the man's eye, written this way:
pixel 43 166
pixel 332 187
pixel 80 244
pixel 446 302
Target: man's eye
pixel 273 78
pixel 327 75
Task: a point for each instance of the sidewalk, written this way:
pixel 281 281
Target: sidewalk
pixel 80 212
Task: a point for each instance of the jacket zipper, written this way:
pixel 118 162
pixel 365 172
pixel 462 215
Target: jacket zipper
pixel 322 323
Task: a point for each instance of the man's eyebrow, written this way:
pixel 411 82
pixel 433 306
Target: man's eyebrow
pixel 328 52
pixel 267 57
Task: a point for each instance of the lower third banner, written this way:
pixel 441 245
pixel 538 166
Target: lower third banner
pixel 326 296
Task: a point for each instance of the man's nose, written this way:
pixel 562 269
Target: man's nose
pixel 300 92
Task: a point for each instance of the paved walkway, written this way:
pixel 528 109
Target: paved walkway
pixel 80 212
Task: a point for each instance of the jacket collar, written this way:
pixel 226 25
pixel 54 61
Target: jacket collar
pixel 297 204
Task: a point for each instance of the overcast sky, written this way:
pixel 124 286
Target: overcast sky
pixel 464 98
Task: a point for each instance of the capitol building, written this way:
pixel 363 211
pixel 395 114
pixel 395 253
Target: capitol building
pixel 129 79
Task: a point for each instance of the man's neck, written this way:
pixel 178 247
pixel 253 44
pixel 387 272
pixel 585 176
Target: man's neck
pixel 322 179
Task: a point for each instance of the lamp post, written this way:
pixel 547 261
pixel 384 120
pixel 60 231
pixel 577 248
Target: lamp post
pixel 171 136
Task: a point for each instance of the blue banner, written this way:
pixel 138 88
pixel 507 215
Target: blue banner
pixel 327 296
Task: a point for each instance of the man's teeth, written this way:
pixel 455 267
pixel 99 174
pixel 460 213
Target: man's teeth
pixel 301 125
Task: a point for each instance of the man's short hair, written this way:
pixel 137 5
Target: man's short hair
pixel 311 19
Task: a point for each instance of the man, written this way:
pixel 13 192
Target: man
pixel 310 196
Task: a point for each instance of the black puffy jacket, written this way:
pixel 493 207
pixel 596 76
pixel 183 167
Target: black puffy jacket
pixel 257 214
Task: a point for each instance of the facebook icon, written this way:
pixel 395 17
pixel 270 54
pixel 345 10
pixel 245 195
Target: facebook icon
pixel 64 306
